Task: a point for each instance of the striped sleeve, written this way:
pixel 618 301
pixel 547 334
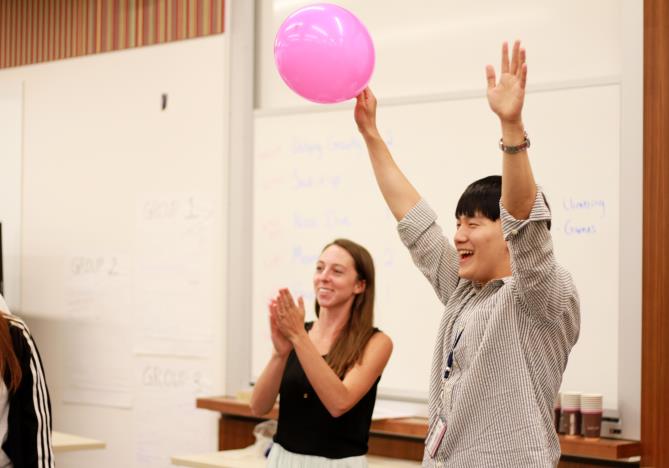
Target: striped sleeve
pixel 544 288
pixel 28 441
pixel 430 250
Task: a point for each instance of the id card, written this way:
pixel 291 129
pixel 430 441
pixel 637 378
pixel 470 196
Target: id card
pixel 435 437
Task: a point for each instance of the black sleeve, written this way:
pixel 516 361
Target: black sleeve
pixel 28 441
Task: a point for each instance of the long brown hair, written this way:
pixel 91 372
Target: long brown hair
pixel 352 339
pixel 10 369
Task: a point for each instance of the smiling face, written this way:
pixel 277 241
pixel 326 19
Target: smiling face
pixel 484 255
pixel 335 280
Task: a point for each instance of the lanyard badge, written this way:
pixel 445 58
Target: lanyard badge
pixel 433 441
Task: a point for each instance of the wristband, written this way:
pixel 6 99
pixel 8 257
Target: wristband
pixel 515 149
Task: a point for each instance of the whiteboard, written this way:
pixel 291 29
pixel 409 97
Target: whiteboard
pixel 313 183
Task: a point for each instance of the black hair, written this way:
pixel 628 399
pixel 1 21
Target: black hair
pixel 482 198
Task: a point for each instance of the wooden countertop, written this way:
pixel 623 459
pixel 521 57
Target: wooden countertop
pixel 608 449
pixel 402 427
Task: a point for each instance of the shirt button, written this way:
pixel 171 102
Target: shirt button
pixel 306 395
pixel 514 232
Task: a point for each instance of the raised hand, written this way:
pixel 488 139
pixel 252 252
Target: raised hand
pixel 290 315
pixel 506 97
pixel 282 346
pixel 365 112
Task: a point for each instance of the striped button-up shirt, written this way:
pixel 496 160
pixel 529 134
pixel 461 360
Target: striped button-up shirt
pixel 516 334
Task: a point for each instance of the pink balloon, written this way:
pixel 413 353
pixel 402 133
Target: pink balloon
pixel 324 53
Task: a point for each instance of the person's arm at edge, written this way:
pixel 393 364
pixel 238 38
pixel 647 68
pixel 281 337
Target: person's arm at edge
pixel 268 384
pixel 266 388
pixel 401 197
pixel 399 194
pixel 29 420
pixel 506 99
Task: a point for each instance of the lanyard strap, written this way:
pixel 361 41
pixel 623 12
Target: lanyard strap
pixel 449 361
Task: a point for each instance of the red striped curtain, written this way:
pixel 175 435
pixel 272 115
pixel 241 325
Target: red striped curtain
pixel 33 31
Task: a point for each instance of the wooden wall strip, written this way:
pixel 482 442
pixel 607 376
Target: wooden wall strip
pixel 34 31
pixel 655 325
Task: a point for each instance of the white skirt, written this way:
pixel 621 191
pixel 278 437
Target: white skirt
pixel 279 457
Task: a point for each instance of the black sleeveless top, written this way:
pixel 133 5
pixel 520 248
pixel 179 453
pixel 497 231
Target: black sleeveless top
pixel 305 426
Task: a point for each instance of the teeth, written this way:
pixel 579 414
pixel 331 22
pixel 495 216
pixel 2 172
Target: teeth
pixel 465 252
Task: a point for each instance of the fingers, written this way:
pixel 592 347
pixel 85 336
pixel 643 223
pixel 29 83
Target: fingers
pixel 273 319
pixel 274 310
pixel 515 58
pixel 360 98
pixel 517 67
pixel 490 76
pixel 370 99
pixel 287 315
pixel 523 76
pixel 364 96
pixel 285 303
pixel 289 298
pixel 286 299
pixel 273 324
pixel 522 72
pixel 505 58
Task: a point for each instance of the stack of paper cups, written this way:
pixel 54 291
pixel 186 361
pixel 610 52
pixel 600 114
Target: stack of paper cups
pixel 571 413
pixel 591 411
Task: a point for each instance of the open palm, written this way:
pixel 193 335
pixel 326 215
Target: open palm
pixel 506 97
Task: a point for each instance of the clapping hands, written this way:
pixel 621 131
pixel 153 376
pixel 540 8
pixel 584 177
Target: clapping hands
pixel 286 321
